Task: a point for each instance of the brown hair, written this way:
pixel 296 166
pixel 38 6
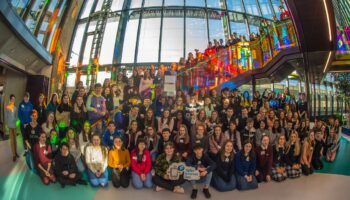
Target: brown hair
pixel 187 137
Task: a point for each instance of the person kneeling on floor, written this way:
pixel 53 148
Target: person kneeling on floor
pixel 245 165
pixel 224 178
pixel 42 157
pixel 96 157
pixel 119 161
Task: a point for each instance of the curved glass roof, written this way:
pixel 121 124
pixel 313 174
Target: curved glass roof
pixel 141 32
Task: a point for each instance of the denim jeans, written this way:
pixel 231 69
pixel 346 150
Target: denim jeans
pixel 206 180
pixel 138 183
pixel 221 185
pixel 30 160
pixel 98 181
pixel 242 183
pixel 80 165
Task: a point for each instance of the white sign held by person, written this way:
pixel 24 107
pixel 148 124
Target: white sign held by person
pixel 170 85
pixel 175 170
pixel 191 174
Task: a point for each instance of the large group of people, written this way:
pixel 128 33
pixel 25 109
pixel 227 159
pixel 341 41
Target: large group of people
pixel 117 130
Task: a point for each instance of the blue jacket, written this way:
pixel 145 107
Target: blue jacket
pixel 24 111
pixel 108 138
pixel 244 167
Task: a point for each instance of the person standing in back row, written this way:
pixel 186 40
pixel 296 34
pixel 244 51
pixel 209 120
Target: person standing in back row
pixel 24 111
pixel 11 118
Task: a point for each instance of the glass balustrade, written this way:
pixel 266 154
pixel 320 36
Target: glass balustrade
pixel 209 70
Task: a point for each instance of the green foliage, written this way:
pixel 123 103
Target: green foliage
pixel 343 83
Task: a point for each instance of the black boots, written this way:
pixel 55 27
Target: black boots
pixel 194 194
pixel 206 193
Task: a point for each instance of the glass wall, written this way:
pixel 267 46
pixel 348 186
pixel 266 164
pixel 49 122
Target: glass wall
pixel 41 17
pixel 146 32
pixel 163 31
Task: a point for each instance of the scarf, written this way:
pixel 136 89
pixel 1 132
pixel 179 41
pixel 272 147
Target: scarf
pixel 10 106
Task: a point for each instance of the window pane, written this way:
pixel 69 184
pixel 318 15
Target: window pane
pixel 266 9
pixel 173 2
pixel 83 78
pixel 71 79
pixel 199 3
pixel 101 76
pixel 238 24
pixel 19 6
pixel 196 32
pixel 92 26
pixel 108 43
pixel 99 5
pixel 276 4
pixel 35 14
pixel 87 50
pixel 251 7
pixel 149 40
pixel 46 20
pixel 58 19
pixel 135 3
pixel 254 24
pixel 130 39
pixel 235 5
pixel 216 4
pixel 149 3
pixel 216 29
pixel 172 39
pixel 87 9
pixel 117 5
pixel 74 56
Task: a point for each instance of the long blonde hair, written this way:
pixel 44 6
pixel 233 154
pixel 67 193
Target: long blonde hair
pixel 187 136
pixel 296 144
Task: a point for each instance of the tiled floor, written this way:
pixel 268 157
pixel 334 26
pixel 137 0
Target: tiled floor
pixel 332 183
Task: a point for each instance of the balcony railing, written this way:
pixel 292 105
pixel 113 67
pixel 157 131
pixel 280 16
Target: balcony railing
pixel 209 71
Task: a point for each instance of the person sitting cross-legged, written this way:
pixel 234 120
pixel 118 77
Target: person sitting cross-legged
pixel 65 168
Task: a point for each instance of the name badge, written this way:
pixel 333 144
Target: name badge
pixel 181 141
pixel 262 153
pixel 134 158
pixel 227 160
pixel 45 152
pixel 247 159
pixel 151 139
pixel 219 147
pixel 198 141
pixel 22 106
pixel 111 137
pixel 199 162
pixel 32 131
pixel 98 105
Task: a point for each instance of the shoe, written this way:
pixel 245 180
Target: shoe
pixel 206 193
pixel 63 185
pixel 194 194
pixel 17 156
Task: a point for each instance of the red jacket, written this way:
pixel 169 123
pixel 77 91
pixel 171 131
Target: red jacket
pixel 145 166
pixel 41 155
pixel 284 15
pixel 264 159
pixel 209 52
